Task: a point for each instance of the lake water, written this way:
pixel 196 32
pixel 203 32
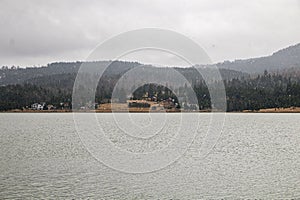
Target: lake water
pixel 256 156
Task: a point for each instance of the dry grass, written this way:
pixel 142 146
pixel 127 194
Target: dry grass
pixel 281 110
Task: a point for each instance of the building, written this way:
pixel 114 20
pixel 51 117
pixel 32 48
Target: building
pixel 37 106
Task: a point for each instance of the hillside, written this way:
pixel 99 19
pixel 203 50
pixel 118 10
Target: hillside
pixel 278 61
pixel 10 76
pixel 282 59
pixel 62 72
pixel 248 85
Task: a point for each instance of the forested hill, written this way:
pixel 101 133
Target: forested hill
pixel 55 71
pixel 282 59
pixel 15 75
pixel 272 81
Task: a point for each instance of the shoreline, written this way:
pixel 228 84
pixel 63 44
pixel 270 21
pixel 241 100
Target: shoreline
pixel 275 110
pixel 267 110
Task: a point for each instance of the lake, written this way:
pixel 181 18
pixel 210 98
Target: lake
pixel 43 156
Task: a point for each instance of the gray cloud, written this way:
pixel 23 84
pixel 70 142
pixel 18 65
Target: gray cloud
pixel 38 31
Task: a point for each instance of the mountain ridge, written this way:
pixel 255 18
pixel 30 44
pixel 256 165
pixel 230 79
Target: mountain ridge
pixel 288 57
pixel 278 61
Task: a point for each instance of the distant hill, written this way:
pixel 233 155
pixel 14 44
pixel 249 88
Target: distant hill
pixel 10 76
pixel 64 73
pixel 282 59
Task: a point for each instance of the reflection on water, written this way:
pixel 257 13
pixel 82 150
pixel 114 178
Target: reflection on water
pixel 257 156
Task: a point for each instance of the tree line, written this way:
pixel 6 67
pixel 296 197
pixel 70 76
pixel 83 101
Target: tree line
pixel 243 93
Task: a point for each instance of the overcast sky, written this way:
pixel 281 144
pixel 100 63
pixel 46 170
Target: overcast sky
pixel 36 32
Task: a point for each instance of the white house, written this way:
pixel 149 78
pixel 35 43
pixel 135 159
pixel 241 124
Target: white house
pixel 37 106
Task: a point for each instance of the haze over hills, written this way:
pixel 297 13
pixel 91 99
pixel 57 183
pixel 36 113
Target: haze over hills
pixel 282 59
pixel 55 71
